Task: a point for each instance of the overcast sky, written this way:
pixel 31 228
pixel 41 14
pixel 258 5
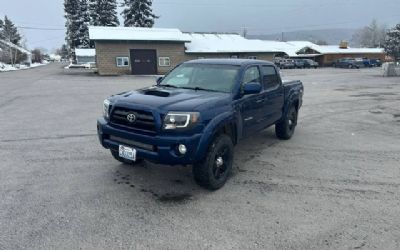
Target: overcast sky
pixel 259 16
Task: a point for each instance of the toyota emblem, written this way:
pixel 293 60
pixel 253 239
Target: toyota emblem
pixel 131 118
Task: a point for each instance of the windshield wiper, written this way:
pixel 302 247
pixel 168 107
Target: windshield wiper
pixel 199 88
pixel 168 85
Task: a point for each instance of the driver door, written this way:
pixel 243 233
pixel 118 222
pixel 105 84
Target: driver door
pixel 252 105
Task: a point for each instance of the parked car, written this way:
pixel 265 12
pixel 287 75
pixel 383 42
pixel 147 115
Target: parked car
pixel 287 64
pixel 376 62
pixel 367 62
pixel 197 113
pixel 308 63
pixel 347 63
pixel 299 63
pixel 277 61
pixel 363 62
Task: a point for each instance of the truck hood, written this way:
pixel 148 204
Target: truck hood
pixel 172 99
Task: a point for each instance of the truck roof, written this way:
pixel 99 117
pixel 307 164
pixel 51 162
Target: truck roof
pixel 229 61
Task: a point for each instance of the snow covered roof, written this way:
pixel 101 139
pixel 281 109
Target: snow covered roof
pixel 293 49
pixel 226 43
pixel 217 42
pixel 85 52
pixel 136 34
pixel 335 49
pixel 25 51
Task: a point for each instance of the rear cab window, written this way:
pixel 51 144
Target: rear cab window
pixel 270 77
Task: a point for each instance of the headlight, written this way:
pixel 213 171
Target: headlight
pixel 177 120
pixel 106 108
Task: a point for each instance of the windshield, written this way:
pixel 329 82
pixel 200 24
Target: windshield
pixel 220 78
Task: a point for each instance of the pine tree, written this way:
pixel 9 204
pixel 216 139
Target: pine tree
pixel 72 11
pixel 103 12
pixel 9 32
pixel 392 42
pixel 84 22
pixel 77 15
pixel 1 29
pixel 138 13
pixel 64 51
pixel 94 17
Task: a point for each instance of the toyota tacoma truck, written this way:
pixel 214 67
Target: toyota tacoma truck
pixel 197 113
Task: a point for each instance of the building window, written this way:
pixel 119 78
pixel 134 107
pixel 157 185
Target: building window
pixel 122 61
pixel 164 61
pixel 253 57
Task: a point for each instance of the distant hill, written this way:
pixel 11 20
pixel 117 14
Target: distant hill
pixel 331 36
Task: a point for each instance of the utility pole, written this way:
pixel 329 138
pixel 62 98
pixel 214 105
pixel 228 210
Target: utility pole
pixel 244 32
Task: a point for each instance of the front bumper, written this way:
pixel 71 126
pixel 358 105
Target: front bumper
pixel 159 149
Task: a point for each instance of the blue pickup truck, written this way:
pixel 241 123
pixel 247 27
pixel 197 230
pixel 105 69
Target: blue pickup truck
pixel 197 113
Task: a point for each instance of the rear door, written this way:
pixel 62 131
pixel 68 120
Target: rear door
pixel 272 95
pixel 144 61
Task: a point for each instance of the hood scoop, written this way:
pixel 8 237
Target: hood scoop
pixel 156 92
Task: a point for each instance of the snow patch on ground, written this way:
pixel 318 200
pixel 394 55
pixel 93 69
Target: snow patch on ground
pixel 91 65
pixel 7 67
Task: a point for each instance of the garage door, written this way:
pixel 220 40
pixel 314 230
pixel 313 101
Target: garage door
pixel 144 61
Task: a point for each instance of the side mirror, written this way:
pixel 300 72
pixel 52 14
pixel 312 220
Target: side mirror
pixel 159 80
pixel 252 88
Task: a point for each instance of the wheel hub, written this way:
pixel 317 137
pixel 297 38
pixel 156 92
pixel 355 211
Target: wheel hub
pixel 219 161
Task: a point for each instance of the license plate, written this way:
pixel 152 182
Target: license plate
pixel 127 153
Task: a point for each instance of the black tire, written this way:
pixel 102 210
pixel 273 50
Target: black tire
pixel 209 173
pixel 116 156
pixel 284 129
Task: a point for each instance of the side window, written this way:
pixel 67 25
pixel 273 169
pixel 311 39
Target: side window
pixel 270 77
pixel 252 74
pixel 122 61
pixel 164 62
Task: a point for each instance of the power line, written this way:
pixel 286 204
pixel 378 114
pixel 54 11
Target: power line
pixel 311 26
pixel 37 28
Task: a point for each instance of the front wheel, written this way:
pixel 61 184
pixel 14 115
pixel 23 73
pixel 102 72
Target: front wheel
pixel 116 156
pixel 284 129
pixel 213 172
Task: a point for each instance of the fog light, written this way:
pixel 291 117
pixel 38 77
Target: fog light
pixel 182 149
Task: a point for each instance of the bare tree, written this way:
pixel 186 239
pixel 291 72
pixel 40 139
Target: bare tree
pixel 371 36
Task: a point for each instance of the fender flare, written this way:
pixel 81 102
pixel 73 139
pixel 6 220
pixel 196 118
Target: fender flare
pixel 211 129
pixel 290 101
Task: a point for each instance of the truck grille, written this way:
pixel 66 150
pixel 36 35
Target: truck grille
pixel 133 143
pixel 144 121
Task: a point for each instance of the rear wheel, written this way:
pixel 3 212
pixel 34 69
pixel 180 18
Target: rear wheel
pixel 213 172
pixel 116 156
pixel 284 129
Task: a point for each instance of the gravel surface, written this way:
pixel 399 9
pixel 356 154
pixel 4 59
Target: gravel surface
pixel 334 185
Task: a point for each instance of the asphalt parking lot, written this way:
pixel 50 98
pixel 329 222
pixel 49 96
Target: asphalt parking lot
pixel 335 185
